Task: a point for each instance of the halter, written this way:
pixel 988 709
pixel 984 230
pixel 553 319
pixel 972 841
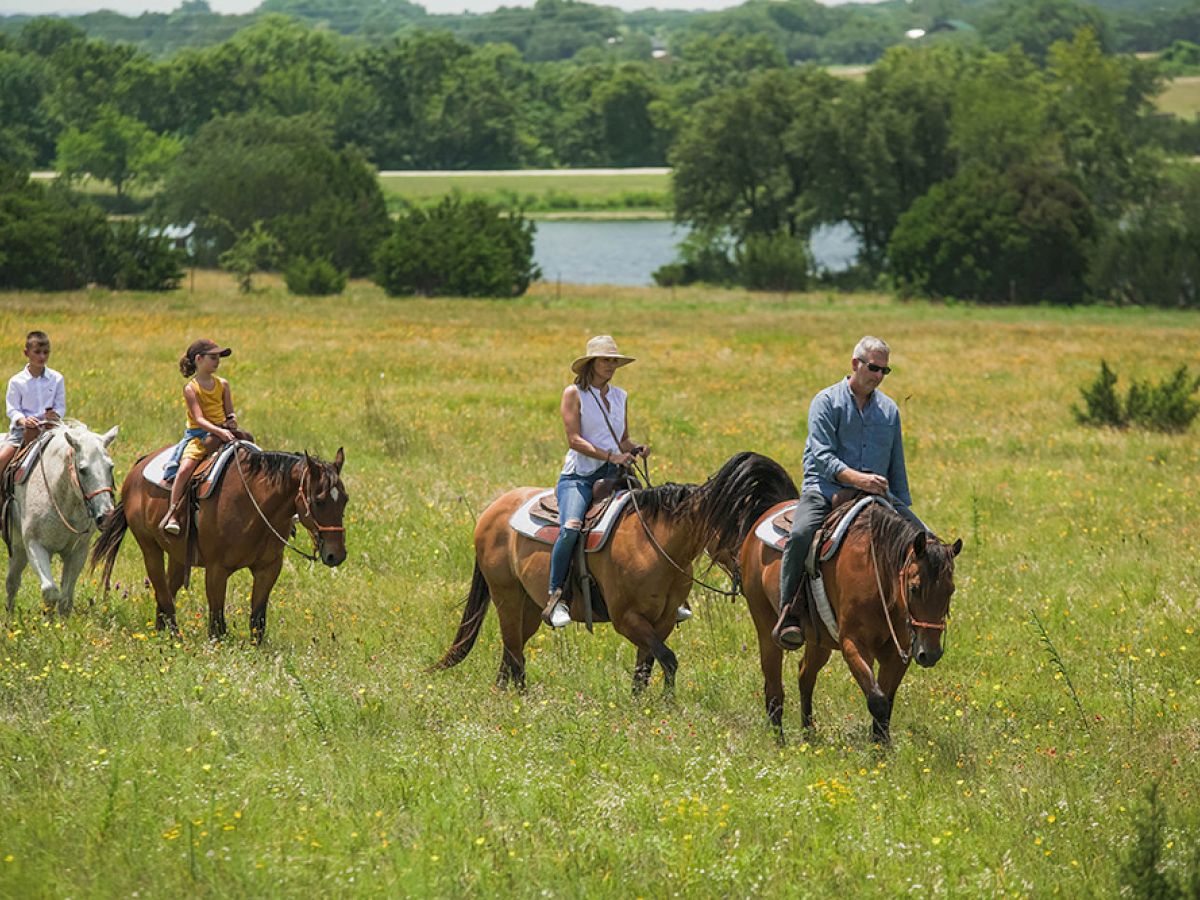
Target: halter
pixel 911 622
pixel 74 480
pixel 301 495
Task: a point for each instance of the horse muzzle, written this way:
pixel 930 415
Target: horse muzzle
pixel 332 553
pixel 927 653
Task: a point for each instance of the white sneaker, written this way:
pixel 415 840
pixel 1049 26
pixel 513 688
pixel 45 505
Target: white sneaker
pixel 557 615
pixel 682 614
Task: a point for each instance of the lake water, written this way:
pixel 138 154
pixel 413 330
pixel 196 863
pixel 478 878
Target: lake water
pixel 626 253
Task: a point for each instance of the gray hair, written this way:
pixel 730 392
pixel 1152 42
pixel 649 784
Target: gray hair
pixel 870 345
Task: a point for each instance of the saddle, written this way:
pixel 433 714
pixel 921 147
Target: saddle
pixel 17 472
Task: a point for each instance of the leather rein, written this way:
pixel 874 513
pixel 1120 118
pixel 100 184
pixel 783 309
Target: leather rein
pixel 911 622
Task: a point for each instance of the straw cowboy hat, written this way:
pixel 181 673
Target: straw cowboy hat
pixel 601 345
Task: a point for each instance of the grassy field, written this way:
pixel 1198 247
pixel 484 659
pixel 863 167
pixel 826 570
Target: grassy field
pixel 328 761
pixel 648 193
pixel 1181 97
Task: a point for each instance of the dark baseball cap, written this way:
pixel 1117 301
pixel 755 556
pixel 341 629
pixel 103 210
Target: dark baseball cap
pixel 204 345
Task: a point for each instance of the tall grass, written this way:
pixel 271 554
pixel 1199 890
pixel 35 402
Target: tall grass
pixel 328 760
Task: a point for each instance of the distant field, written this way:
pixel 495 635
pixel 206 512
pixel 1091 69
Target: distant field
pixel 544 191
pixel 1181 97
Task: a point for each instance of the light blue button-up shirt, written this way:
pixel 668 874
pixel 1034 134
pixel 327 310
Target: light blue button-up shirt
pixel 840 436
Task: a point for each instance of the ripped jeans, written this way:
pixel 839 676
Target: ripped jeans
pixel 574 493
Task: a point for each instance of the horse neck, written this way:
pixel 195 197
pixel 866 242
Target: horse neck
pixel 275 495
pixel 682 537
pixel 57 465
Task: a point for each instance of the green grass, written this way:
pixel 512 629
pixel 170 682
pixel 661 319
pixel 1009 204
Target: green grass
pixel 645 193
pixel 1181 97
pixel 328 761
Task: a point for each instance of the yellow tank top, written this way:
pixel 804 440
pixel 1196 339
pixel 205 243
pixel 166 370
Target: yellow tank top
pixel 212 403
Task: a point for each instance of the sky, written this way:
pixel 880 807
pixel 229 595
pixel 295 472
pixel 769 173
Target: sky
pixel 136 7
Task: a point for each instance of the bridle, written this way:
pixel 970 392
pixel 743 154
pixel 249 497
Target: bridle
pixel 913 624
pixel 71 467
pixel 301 496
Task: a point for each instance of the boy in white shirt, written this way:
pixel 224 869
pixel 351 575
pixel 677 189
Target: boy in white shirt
pixel 36 396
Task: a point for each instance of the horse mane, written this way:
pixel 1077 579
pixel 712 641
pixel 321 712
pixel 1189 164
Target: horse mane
pixel 744 488
pixel 668 499
pixel 275 465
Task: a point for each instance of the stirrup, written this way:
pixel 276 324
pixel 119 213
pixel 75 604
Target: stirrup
pixel 170 525
pixel 682 614
pixel 788 633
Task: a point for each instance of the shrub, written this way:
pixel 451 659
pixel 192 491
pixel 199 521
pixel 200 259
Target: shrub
pixel 1157 406
pixel 314 277
pixel 255 249
pixel 1166 406
pixel 461 248
pixel 1141 866
pixel 704 255
pixel 773 262
pixel 1102 406
pixel 136 260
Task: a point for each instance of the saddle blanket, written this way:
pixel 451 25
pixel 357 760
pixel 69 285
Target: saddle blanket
pixel 524 523
pixel 154 469
pixel 29 458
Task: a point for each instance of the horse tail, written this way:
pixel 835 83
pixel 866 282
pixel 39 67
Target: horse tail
pixel 472 620
pixel 109 542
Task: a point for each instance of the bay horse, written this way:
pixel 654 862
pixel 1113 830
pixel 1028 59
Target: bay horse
pixel 644 571
pixel 66 494
pixel 889 587
pixel 244 525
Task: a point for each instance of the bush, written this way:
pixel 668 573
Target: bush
pixel 1141 867
pixel 1157 406
pixel 255 249
pixel 1019 236
pixel 773 262
pixel 136 260
pixel 704 256
pixel 314 277
pixel 1102 406
pixel 460 248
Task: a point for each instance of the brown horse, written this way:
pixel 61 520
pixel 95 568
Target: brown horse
pixel 244 525
pixel 889 588
pixel 642 580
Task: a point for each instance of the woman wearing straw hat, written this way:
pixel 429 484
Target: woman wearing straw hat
pixel 594 413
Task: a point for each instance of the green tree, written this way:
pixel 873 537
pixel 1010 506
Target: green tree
pixel 1036 25
pixel 1021 236
pixel 316 201
pixel 254 250
pixel 115 148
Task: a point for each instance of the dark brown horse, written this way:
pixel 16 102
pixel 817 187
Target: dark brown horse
pixel 244 525
pixel 889 588
pixel 642 584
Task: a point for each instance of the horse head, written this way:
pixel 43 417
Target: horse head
pixel 927 580
pixel 322 506
pixel 93 468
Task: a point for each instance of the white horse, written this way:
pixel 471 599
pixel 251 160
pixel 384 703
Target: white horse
pixel 66 494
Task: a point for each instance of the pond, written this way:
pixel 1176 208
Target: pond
pixel 626 253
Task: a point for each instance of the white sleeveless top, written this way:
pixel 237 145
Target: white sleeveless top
pixel 594 430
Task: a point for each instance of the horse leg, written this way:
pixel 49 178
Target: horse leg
pixel 815 657
pixel 642 670
pixel 216 580
pixel 891 673
pixel 16 567
pixel 73 561
pixel 770 658
pixel 39 558
pixel 517 626
pixel 638 630
pixel 264 580
pixel 860 662
pixel 164 594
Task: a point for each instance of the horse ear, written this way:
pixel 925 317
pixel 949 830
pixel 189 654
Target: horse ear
pixel 957 548
pixel 919 544
pixel 338 460
pixel 109 436
pixel 71 439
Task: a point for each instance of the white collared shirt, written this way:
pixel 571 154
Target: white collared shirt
pixel 30 396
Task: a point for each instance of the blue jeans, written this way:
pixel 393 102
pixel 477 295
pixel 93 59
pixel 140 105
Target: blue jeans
pixel 574 493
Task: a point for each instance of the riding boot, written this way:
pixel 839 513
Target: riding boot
pixel 788 632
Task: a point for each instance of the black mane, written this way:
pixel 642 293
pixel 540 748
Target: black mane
pixel 276 465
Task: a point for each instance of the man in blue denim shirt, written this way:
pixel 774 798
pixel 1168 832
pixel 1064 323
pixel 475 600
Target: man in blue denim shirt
pixel 854 440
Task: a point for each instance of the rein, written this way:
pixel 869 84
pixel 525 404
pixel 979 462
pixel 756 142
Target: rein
pixel 311 557
pixel 74 480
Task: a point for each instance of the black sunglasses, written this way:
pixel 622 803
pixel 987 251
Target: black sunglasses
pixel 886 370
